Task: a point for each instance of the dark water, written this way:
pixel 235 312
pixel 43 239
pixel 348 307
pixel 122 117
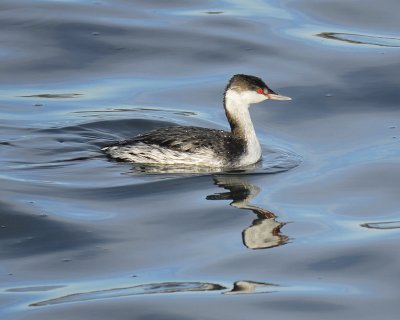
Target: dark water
pixel 82 237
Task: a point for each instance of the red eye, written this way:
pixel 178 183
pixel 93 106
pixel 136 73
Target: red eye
pixel 260 91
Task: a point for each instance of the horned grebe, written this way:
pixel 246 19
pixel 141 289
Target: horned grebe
pixel 196 146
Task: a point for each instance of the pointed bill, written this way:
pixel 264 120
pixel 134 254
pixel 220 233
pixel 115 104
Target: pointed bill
pixel 275 96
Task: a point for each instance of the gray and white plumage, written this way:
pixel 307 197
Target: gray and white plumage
pixel 204 147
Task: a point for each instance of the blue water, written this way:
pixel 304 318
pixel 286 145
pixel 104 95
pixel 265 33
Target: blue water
pixel 310 233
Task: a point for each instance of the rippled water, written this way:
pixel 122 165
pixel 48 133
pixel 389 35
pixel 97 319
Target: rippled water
pixel 310 233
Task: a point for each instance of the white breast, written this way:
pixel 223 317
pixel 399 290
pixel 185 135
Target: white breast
pixel 237 106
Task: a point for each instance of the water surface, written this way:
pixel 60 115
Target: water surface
pixel 309 233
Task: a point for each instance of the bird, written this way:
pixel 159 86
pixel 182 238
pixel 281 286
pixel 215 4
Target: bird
pixel 204 147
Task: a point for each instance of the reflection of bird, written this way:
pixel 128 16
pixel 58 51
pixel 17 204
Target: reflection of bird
pixel 242 287
pixel 201 146
pixel 265 231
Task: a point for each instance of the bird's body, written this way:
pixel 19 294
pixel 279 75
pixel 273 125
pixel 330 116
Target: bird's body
pixel 196 146
pixel 178 146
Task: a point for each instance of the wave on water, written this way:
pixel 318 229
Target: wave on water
pixel 362 39
pixel 166 287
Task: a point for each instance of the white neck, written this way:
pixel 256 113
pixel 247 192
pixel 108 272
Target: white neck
pixel 237 112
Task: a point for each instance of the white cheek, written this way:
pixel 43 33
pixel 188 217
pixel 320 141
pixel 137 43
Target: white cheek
pixel 253 97
pixel 243 98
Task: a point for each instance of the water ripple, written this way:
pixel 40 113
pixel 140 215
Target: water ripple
pixel 54 96
pixel 362 39
pixel 153 288
pixel 382 225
